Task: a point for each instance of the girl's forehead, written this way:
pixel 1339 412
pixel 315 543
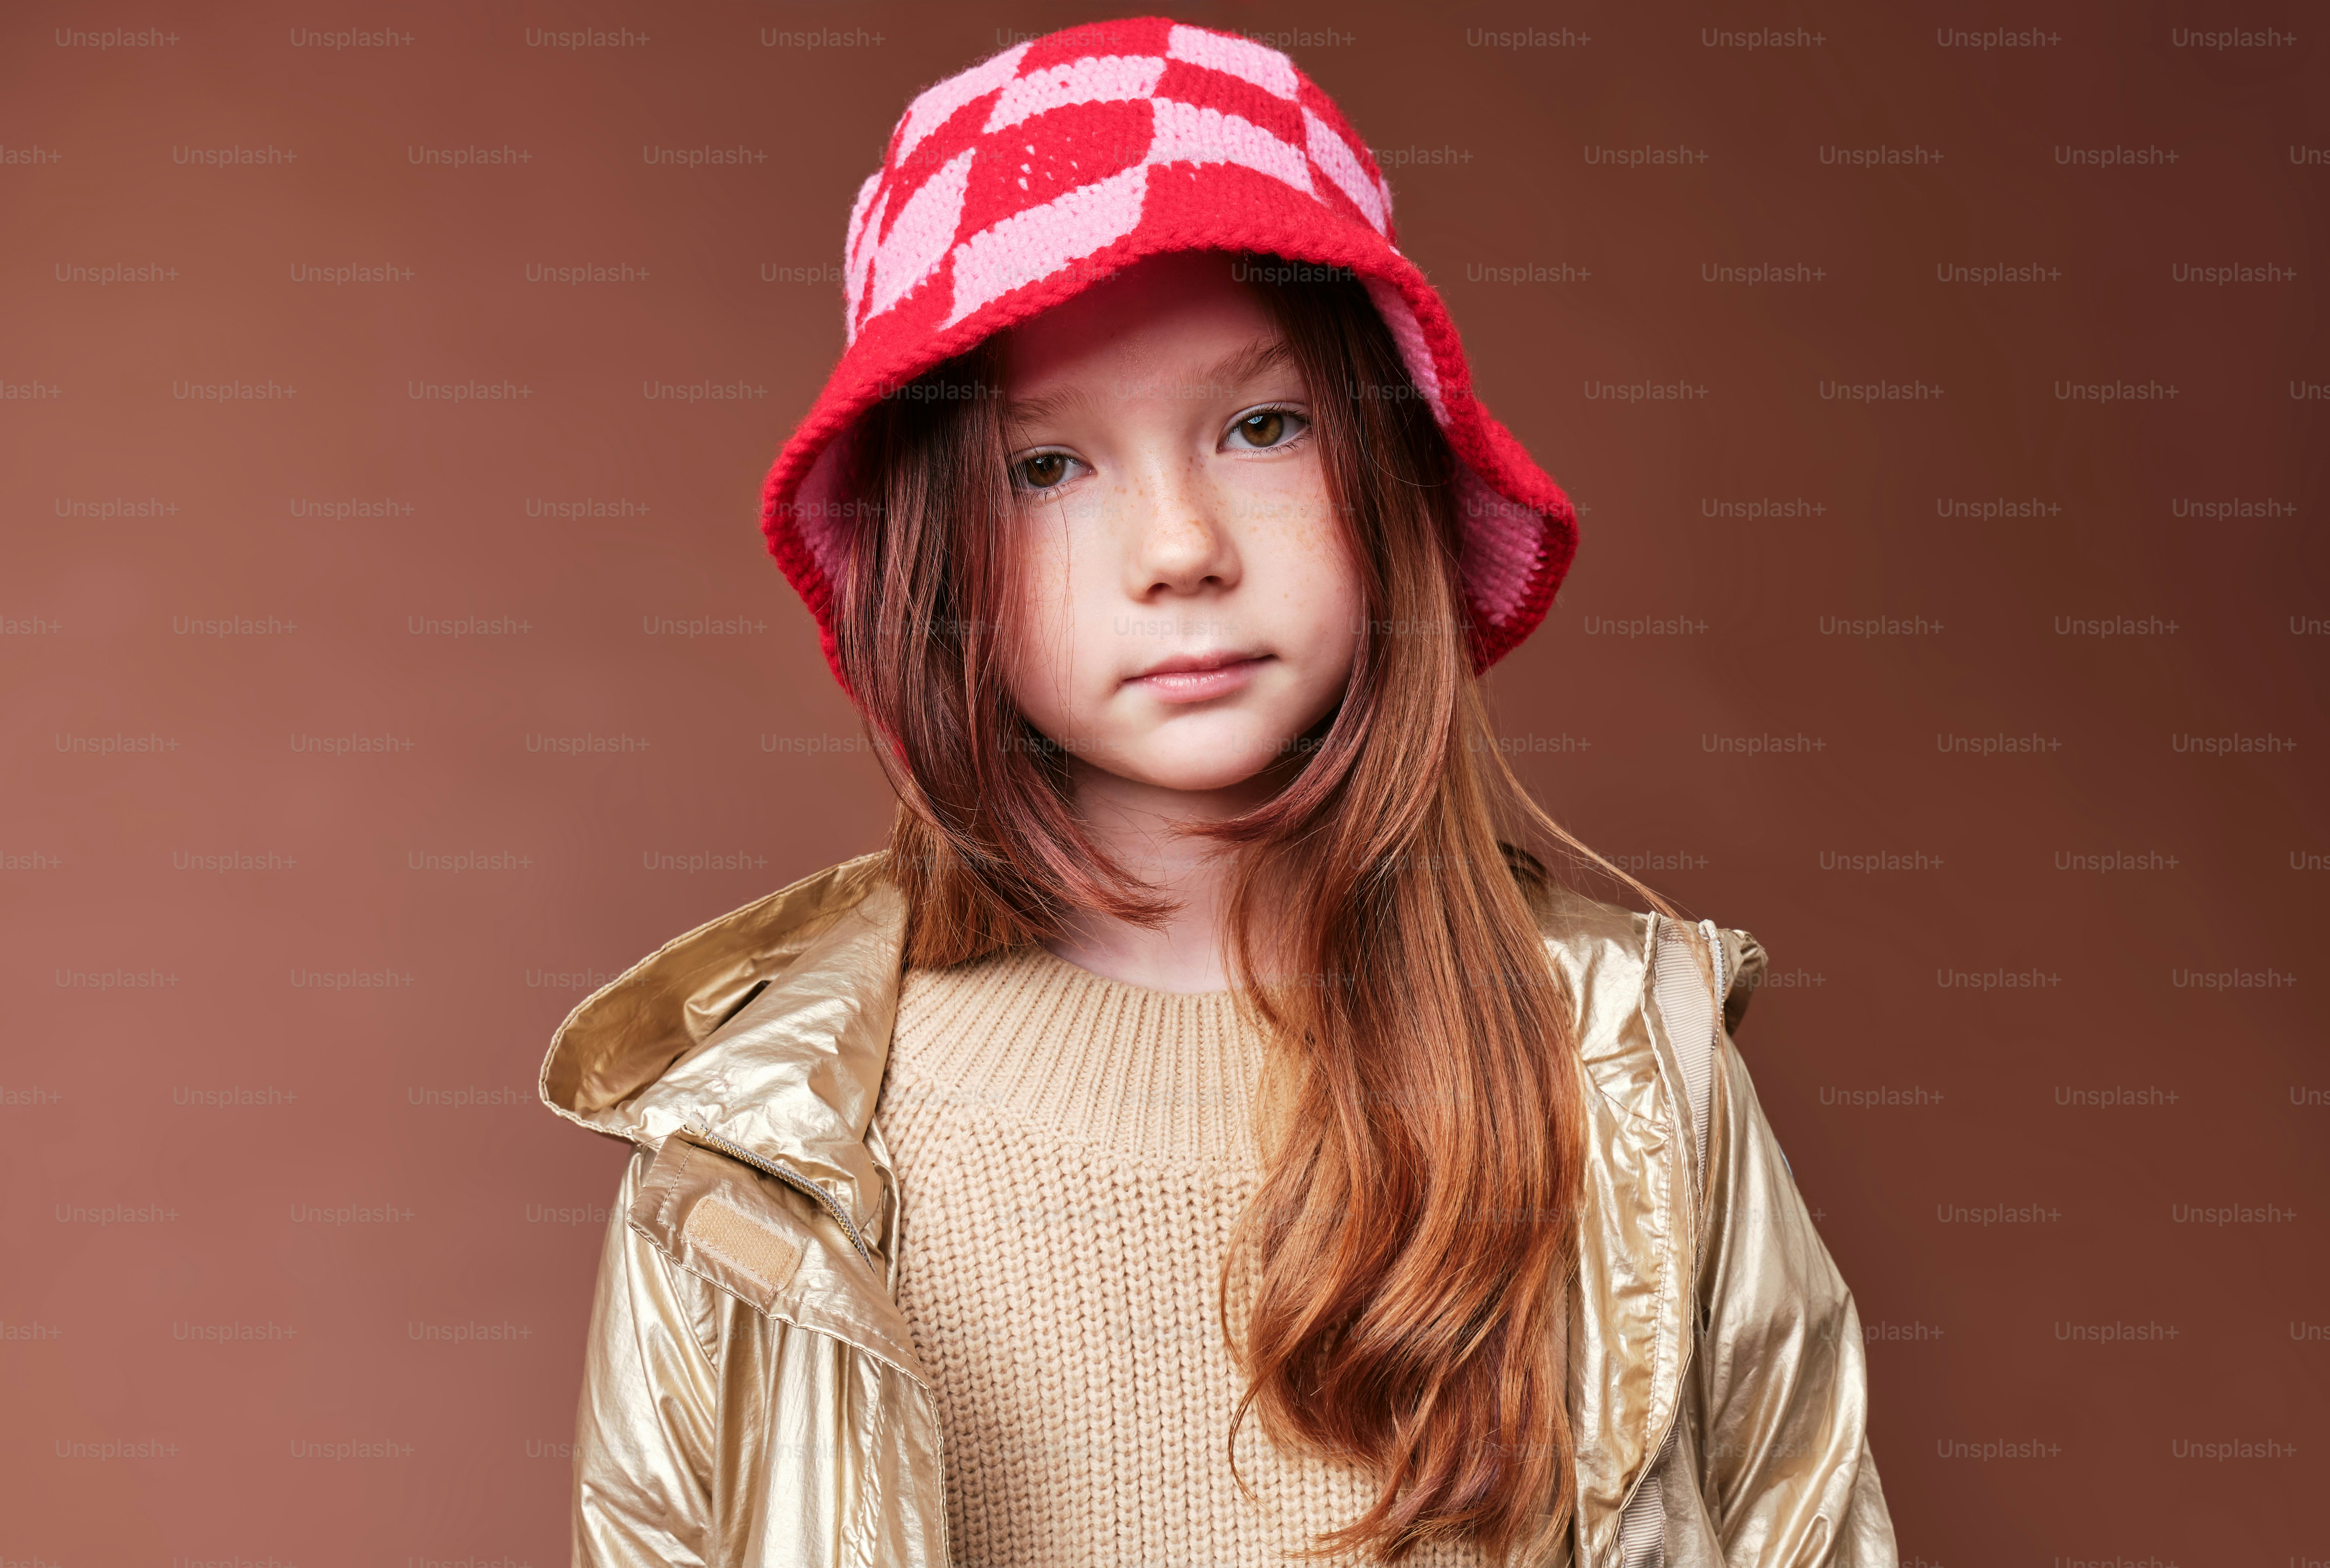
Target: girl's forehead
pixel 1182 307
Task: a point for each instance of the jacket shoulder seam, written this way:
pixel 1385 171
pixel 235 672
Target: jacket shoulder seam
pixel 672 1268
pixel 651 1216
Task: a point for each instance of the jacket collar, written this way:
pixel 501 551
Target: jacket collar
pixel 800 990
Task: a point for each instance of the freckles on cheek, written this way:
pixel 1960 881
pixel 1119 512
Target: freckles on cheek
pixel 1314 535
pixel 1303 501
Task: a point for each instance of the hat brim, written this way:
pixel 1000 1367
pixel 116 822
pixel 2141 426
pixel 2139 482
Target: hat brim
pixel 1519 531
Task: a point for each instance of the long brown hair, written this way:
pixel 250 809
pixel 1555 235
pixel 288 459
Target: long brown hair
pixel 1406 1252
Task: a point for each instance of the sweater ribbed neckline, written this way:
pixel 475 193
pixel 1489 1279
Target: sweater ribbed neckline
pixel 1164 1077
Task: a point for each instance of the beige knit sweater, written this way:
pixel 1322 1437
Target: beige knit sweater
pixel 1073 1153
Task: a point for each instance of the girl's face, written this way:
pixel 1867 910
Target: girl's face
pixel 1189 607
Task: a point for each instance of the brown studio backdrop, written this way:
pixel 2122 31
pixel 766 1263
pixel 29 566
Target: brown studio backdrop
pixel 344 750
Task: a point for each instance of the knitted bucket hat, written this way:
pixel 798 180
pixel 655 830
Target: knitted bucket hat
pixel 1032 175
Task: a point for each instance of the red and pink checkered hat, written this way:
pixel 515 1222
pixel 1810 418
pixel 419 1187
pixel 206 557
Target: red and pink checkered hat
pixel 1035 173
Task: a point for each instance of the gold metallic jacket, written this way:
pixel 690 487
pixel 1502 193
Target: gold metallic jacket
pixel 751 1394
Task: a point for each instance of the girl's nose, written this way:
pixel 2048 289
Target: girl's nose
pixel 1180 541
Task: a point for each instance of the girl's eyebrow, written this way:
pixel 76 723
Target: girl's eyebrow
pixel 1228 374
pixel 1029 411
pixel 1249 364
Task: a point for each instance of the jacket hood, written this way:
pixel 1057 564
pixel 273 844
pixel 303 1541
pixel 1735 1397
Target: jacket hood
pixel 800 989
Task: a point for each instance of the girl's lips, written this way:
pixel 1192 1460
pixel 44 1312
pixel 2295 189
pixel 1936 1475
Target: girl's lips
pixel 1199 686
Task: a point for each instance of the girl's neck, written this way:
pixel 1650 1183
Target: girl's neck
pixel 1137 824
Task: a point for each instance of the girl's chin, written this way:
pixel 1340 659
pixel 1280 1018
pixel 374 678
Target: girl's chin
pixel 1196 771
pixel 1220 748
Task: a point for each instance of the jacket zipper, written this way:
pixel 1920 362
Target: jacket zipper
pixel 792 1178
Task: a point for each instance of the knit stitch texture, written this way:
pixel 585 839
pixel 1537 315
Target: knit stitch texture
pixel 1073 1153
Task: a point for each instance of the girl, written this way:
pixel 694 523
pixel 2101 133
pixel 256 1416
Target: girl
pixel 1202 1138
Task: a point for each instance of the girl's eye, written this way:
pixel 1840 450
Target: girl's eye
pixel 1043 471
pixel 1267 428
